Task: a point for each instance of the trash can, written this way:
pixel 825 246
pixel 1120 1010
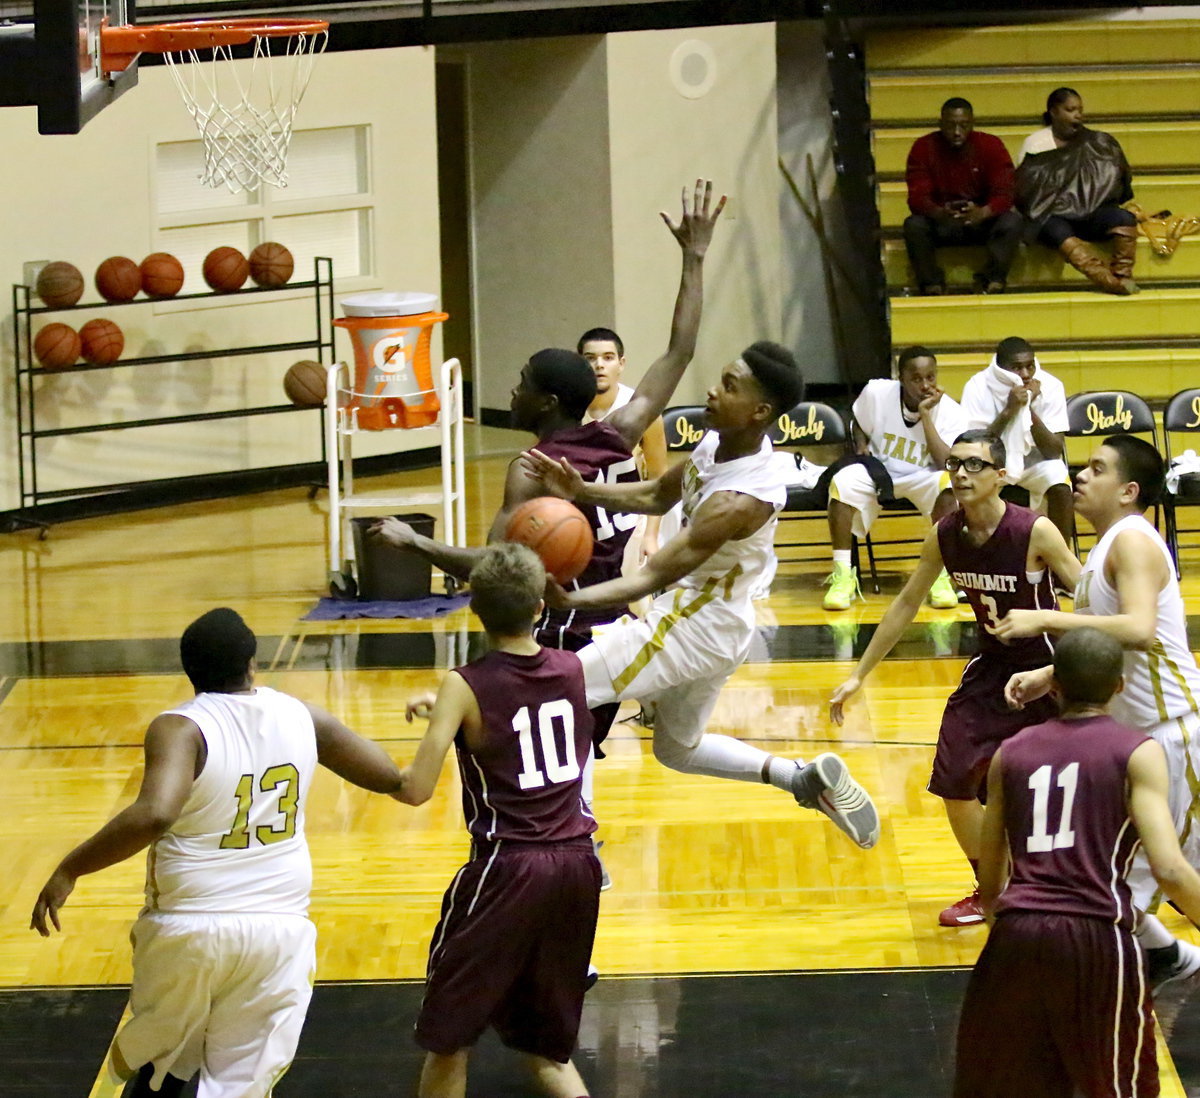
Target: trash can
pixel 388 573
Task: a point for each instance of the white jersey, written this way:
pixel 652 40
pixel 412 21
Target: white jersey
pixel 238 845
pixel 983 400
pixel 1163 683
pixel 894 435
pixel 737 567
pixel 624 395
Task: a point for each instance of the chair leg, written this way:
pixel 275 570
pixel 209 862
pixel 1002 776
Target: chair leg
pixel 871 559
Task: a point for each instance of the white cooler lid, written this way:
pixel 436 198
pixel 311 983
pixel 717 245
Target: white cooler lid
pixel 388 303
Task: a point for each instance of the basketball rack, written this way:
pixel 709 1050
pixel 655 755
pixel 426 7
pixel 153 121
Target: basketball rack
pixel 341 428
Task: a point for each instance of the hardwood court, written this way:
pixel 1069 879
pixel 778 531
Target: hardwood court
pixel 709 876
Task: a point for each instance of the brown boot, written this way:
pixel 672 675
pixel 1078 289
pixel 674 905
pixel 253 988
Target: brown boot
pixel 1083 258
pixel 1124 238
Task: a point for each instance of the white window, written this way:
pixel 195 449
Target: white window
pixel 325 210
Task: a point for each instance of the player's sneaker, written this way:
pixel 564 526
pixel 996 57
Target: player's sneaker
pixel 825 785
pixel 966 912
pixel 843 587
pixel 605 879
pixel 942 595
pixel 592 976
pixel 1177 961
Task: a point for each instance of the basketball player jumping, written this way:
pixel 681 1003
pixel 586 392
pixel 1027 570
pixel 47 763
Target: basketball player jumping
pixel 1061 977
pixel 698 632
pixel 511 950
pixel 1002 556
pixel 1128 590
pixel 223 952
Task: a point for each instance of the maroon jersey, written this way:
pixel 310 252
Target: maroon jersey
pixel 1069 831
pixel 602 456
pixel 994 578
pixel 524 781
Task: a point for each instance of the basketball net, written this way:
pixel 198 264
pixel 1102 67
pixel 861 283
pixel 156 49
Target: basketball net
pixel 244 110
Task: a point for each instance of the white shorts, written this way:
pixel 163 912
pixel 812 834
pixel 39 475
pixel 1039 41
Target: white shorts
pixel 224 995
pixel 1180 740
pixel 1040 477
pixel 854 487
pixel 678 656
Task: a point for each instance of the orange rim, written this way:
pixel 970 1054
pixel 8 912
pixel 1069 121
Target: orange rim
pixel 119 46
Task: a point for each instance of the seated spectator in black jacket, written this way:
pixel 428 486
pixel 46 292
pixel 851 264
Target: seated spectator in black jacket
pixel 1071 182
pixel 960 191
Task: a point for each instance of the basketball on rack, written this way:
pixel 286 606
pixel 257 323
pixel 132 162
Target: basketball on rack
pixel 226 269
pixel 101 342
pixel 57 345
pixel 557 531
pixel 60 285
pixel 162 275
pixel 304 384
pixel 271 265
pixel 118 278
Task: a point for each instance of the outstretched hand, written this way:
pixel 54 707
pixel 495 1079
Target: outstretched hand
pixel 558 477
pixel 53 895
pixel 421 706
pixel 556 595
pixel 695 228
pixel 1017 624
pixel 837 704
pixel 394 532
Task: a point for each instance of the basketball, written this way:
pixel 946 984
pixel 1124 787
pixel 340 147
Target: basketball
pixel 118 279
pixel 557 531
pixel 60 285
pixel 162 275
pixel 101 342
pixel 304 384
pixel 57 345
pixel 271 265
pixel 226 269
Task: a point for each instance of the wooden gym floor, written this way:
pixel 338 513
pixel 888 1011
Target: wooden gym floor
pixel 737 923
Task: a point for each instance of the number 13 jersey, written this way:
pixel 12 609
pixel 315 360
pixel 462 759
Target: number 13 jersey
pixel 522 781
pixel 239 845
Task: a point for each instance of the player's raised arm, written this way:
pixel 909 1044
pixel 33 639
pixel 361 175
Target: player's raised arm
pixel 174 756
pixel 898 617
pixel 455 703
pixel 694 234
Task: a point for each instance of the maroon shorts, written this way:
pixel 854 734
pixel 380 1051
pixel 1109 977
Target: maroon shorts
pixel 1058 1005
pixel 975 722
pixel 512 948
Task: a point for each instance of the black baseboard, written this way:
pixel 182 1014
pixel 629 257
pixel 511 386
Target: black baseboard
pixel 160 493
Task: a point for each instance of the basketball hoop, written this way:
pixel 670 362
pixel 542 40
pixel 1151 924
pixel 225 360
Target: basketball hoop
pixel 244 115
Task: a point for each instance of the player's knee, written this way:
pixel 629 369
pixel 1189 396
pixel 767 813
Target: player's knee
pixel 673 754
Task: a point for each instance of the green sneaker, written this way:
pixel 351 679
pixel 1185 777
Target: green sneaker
pixel 942 595
pixel 843 588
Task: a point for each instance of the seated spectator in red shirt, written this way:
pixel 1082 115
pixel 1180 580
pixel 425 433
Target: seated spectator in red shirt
pixel 960 191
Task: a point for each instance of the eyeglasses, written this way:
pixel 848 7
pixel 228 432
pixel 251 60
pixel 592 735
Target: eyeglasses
pixel 971 464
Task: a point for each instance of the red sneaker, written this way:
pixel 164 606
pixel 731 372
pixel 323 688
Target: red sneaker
pixel 967 911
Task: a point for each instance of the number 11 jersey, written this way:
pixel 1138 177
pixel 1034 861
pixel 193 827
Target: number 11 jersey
pixel 1069 831
pixel 522 781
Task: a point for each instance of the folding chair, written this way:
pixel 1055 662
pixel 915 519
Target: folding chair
pixel 1109 412
pixel 1182 417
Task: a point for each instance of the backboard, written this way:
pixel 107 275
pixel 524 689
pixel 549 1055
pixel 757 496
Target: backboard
pixel 49 58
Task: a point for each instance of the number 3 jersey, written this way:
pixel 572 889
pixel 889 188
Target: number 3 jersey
pixel 995 579
pixel 522 781
pixel 238 845
pixel 1068 825
pixel 602 456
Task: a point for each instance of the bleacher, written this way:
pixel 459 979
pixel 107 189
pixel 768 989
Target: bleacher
pixel 1140 81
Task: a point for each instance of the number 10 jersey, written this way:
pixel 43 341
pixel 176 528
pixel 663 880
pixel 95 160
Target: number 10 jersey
pixel 239 845
pixel 522 780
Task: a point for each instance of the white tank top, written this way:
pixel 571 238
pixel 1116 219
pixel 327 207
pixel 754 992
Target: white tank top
pixel 239 843
pixel 624 393
pixel 733 571
pixel 1162 683
pixel 899 444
